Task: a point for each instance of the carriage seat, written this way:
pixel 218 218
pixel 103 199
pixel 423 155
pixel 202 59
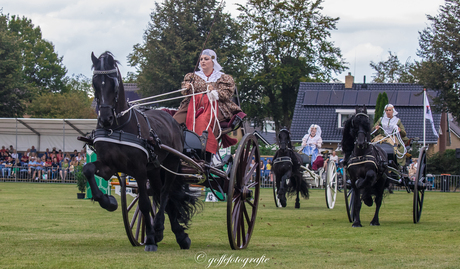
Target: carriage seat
pixel 305 158
pixel 389 150
pixel 195 145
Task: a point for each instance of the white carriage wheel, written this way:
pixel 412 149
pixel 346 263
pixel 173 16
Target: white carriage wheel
pixel 331 184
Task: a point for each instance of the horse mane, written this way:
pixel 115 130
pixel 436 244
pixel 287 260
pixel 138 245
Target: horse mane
pixel 347 137
pixel 111 57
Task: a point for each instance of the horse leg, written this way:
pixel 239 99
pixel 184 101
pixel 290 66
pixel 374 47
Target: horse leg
pixel 298 185
pixel 89 170
pixel 182 237
pixel 356 208
pixel 283 188
pixel 378 203
pixel 370 182
pixel 151 244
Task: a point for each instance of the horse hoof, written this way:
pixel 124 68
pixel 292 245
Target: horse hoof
pixel 185 243
pixel 109 204
pixel 151 248
pixel 297 205
pixel 375 224
pixel 356 225
pixel 283 201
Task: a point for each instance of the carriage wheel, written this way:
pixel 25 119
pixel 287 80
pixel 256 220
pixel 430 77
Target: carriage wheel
pixel 275 195
pixel 419 185
pixel 331 184
pixel 349 194
pixel 243 193
pixel 133 218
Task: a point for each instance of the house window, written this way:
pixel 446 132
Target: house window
pixel 345 114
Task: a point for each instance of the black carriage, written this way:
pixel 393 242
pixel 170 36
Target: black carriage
pixel 417 184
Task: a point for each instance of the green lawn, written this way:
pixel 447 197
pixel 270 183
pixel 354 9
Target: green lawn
pixel 45 226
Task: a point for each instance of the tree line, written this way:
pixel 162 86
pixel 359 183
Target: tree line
pixel 33 78
pixel 269 48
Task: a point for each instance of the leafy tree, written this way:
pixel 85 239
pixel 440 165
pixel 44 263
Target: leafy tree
pixel 382 101
pixel 12 91
pixel 443 163
pixel 71 105
pixel 393 71
pixel 174 39
pixel 79 83
pixel 287 44
pixel 439 49
pixel 43 70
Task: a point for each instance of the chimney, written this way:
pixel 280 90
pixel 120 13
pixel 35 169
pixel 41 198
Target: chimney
pixel 349 81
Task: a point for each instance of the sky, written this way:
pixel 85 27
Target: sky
pixel 367 29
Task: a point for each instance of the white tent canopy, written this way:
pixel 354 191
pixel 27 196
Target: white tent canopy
pixel 23 133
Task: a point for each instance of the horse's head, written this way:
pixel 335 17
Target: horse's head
pixel 361 128
pixel 106 84
pixel 284 138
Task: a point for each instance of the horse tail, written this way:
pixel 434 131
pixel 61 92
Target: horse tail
pixel 185 201
pixel 303 188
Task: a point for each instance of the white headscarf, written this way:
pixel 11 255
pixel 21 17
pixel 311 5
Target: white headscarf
pixel 318 129
pixel 216 74
pixel 316 140
pixel 388 124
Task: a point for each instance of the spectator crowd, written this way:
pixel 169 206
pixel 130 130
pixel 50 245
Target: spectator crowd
pixel 39 166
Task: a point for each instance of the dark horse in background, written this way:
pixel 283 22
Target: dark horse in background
pixel 286 165
pixel 366 165
pixel 131 143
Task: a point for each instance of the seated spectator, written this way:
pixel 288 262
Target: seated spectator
pixel 33 150
pixel 55 168
pixel 3 149
pixel 47 153
pixel 14 154
pixel 11 149
pixel 32 166
pixel 24 159
pixel 60 156
pixel 16 167
pixel 4 156
pixel 75 153
pixel 318 163
pixel 39 168
pixel 7 166
pixel 68 157
pixel 53 154
pixel 64 169
pixel 27 153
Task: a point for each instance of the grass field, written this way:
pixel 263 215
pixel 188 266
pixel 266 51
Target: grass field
pixel 45 226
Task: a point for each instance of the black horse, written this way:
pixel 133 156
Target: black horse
pixel 131 143
pixel 366 165
pixel 286 165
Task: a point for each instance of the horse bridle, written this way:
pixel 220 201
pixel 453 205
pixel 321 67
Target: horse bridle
pixel 117 84
pixel 289 140
pixel 366 143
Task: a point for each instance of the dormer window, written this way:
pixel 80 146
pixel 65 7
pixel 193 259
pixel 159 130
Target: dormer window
pixel 344 114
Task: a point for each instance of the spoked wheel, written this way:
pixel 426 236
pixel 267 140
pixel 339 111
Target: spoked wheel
pixel 349 195
pixel 243 193
pixel 331 184
pixel 275 195
pixel 420 185
pixel 133 218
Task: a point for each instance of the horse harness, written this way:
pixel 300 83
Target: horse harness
pixel 282 159
pixel 128 139
pixel 372 156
